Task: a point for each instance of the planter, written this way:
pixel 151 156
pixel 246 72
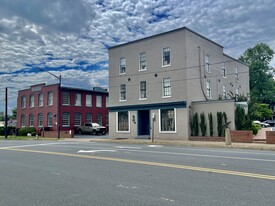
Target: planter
pixel 241 136
pixel 270 137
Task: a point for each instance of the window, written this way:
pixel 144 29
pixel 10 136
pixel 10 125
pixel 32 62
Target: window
pixel 23 119
pixel 142 90
pixel 166 83
pixel 99 119
pixel 23 101
pixel 207 64
pixel 98 101
pixel 31 120
pixel 88 100
pixel 166 56
pixel 167 120
pixel 223 70
pixel 50 119
pixel 224 93
pixel 40 120
pixel 31 100
pixel 77 99
pixel 237 73
pixel 66 98
pixel 88 117
pixel 123 121
pixel 122 92
pixel 65 119
pixel 208 89
pixel 77 119
pixel 122 66
pixel 40 100
pixel 237 92
pixel 142 61
pixel 107 120
pixel 107 101
pixel 50 98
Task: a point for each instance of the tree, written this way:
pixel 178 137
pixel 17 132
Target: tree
pixel 14 113
pixel 262 84
pixel 259 111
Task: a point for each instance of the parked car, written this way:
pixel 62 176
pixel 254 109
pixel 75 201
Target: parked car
pixel 270 122
pixel 262 124
pixel 91 128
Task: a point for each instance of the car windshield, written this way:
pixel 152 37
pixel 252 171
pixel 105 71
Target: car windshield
pixel 95 125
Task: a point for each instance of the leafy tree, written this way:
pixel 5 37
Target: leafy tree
pixel 258 111
pixel 262 84
pixel 14 113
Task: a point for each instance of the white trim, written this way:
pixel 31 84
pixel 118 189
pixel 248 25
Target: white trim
pixel 139 68
pixel 168 132
pixel 129 121
pixel 167 65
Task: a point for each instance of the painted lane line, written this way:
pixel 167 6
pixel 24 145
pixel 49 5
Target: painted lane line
pixel 94 151
pixel 30 145
pixel 127 187
pixel 126 147
pixel 155 146
pixel 166 199
pixel 198 155
pixel 158 164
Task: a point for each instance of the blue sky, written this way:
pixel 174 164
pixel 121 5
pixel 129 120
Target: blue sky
pixel 71 37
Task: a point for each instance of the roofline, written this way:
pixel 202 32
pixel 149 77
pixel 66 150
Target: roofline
pixel 82 89
pixel 235 59
pixel 164 33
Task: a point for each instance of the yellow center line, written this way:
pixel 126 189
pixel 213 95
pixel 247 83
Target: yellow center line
pixel 159 164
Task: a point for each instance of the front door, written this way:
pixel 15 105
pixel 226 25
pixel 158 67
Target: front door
pixel 144 123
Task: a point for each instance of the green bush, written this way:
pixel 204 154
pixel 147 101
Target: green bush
pixel 24 131
pixel 196 124
pixel 10 130
pixel 203 124
pixel 255 128
pixel 211 128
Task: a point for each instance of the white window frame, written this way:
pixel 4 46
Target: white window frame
pixel 164 50
pixel 50 119
pixel 207 63
pixel 23 120
pixel 223 70
pixel 224 92
pixel 67 120
pixel 77 119
pixel 77 99
pixel 50 99
pixel 142 91
pixel 31 101
pixel 66 99
pixel 175 121
pixel 164 88
pixel 40 100
pixel 237 92
pixel 237 73
pixel 99 101
pixel 87 118
pixel 23 101
pixel 89 102
pixel 208 89
pixel 117 123
pixel 40 120
pixel 142 61
pixel 124 91
pixel 122 65
pixel 99 119
pixel 31 120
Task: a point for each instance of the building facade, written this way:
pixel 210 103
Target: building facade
pixel 158 82
pixel 39 106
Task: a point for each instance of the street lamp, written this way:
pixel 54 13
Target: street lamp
pixel 58 103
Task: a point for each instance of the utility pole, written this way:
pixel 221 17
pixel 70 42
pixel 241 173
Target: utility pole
pixel 6 113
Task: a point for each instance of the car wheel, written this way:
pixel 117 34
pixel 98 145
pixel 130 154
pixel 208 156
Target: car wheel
pixel 94 132
pixel 79 131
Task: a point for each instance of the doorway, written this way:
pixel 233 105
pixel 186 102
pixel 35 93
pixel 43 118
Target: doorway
pixel 143 124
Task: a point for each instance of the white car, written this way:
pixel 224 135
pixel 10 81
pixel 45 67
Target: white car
pixel 262 124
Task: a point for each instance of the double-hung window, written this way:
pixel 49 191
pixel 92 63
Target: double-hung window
pixel 23 101
pixel 40 120
pixel 122 66
pixel 237 73
pixel 98 101
pixel 207 64
pixel 224 92
pixel 142 61
pixel 166 56
pixel 50 119
pixel 223 70
pixel 66 98
pixel 23 123
pixel 88 100
pixel 31 120
pixel 40 100
pixel 66 119
pixel 166 84
pixel 50 98
pixel 208 89
pixel 122 92
pixel 99 119
pixel 142 88
pixel 31 100
pixel 77 99
pixel 77 119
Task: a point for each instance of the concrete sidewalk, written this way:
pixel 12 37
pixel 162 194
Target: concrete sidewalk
pixel 256 146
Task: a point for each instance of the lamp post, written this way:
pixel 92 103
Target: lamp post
pixel 6 113
pixel 58 103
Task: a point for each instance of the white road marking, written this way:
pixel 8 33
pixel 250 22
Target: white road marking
pixel 158 146
pixel 199 155
pixel 94 151
pixel 127 187
pixel 30 145
pixel 126 147
pixel 166 199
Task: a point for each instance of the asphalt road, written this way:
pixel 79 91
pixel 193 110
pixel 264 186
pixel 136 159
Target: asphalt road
pixel 42 173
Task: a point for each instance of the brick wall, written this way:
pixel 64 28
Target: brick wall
pixel 270 137
pixel 241 136
pixel 53 134
pixel 212 139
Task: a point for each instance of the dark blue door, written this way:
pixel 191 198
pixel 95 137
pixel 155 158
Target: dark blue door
pixel 143 122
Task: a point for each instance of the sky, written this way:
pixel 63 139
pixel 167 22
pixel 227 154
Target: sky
pixel 71 37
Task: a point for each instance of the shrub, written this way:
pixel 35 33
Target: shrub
pixel 219 122
pixel 255 128
pixel 203 124
pixel 24 131
pixel 211 128
pixel 196 124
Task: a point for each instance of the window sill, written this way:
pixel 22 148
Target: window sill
pixel 164 97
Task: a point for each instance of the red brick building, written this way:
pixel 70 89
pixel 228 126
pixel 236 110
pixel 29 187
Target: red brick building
pixel 38 107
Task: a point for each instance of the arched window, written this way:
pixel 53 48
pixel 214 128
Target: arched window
pixel 31 120
pixel 23 101
pixel 40 120
pixel 50 119
pixel 23 120
pixel 31 100
pixel 40 100
pixel 77 119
